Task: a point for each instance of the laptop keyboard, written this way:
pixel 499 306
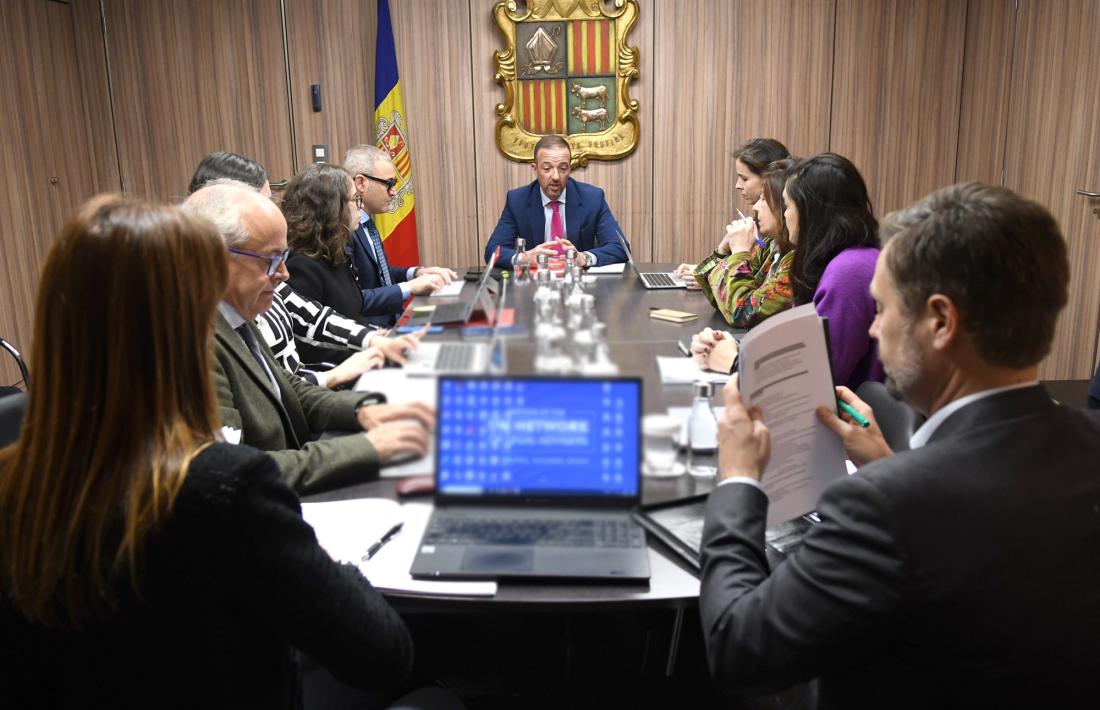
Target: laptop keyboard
pixel 449 312
pixel 658 279
pixel 536 532
pixel 455 357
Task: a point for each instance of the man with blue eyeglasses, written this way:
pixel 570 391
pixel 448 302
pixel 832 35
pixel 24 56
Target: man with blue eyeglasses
pixel 261 404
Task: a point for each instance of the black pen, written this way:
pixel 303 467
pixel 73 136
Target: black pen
pixel 373 549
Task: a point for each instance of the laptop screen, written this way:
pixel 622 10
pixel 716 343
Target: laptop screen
pixel 534 437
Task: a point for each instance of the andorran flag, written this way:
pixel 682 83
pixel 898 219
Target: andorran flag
pixel 398 226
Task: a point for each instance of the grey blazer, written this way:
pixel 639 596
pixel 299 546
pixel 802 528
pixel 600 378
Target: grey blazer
pixel 286 428
pixel 965 573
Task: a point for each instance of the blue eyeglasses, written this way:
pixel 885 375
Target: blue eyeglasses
pixel 272 261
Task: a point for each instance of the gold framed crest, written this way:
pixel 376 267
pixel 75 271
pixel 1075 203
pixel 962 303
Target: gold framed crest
pixel 566 68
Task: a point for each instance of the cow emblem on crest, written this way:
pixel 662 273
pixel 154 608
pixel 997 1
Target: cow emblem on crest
pixel 566 68
pixel 391 138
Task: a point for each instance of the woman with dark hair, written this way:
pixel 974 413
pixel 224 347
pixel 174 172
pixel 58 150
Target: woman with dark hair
pixel 293 317
pixel 751 160
pixel 142 562
pixel 321 211
pixel 835 237
pixel 747 281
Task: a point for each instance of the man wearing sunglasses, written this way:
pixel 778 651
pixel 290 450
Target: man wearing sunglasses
pixel 385 288
pixel 264 406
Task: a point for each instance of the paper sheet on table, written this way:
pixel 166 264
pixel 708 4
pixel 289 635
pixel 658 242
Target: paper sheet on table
pixel 346 528
pixel 389 569
pixel 607 269
pixel 683 370
pixel 451 289
pixel 784 369
pixel 399 388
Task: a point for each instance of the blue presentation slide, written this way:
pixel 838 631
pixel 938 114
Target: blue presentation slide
pixel 545 437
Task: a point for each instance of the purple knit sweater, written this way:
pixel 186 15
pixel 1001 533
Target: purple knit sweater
pixel 843 297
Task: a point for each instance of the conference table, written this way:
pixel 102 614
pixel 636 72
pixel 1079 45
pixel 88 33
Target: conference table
pixel 635 340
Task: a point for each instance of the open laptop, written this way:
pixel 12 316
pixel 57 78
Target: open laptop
pixel 460 358
pixel 461 311
pixel 652 279
pixel 536 478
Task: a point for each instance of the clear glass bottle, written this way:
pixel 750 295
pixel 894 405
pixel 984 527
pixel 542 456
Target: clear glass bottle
pixel 702 433
pixel 519 261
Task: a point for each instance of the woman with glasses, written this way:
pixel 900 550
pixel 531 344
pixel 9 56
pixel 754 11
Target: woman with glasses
pixel 142 562
pixel 321 211
pixel 293 317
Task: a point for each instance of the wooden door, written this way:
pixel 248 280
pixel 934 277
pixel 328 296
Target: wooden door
pixel 192 77
pixel 56 144
pixel 1053 150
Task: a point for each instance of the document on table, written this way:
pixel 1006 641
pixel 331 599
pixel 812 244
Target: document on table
pixel 451 289
pixel 347 528
pixel 683 370
pixel 606 269
pixel 784 369
pixel 399 388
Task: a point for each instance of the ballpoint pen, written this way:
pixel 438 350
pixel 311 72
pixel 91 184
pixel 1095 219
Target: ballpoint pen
pixel 373 549
pixel 758 239
pixel 851 412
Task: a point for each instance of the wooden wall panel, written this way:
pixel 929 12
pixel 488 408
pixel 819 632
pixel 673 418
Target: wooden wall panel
pixel 987 69
pixel 191 77
pixel 331 43
pixel 896 94
pixel 720 79
pixel 56 145
pixel 433 53
pixel 1052 132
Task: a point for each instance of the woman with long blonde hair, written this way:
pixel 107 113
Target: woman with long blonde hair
pixel 141 562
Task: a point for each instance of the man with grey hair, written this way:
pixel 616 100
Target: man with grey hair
pixel 385 288
pixel 260 402
pixel 961 573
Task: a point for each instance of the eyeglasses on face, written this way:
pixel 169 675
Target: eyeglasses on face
pixel 272 261
pixel 390 184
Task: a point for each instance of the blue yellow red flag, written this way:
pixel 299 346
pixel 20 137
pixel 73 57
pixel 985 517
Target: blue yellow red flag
pixel 397 227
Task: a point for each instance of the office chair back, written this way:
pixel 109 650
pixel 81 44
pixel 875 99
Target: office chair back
pixel 895 418
pixel 26 381
pixel 12 409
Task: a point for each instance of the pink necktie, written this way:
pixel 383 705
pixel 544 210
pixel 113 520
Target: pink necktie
pixel 557 231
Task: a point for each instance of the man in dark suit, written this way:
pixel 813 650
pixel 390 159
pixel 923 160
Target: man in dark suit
pixel 961 573
pixel 385 288
pixel 556 212
pixel 261 404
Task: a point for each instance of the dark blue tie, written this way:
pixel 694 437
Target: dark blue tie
pixel 379 253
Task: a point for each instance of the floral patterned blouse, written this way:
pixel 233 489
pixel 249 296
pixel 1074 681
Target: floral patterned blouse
pixel 747 287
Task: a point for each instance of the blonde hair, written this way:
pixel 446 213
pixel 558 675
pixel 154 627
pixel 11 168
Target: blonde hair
pixel 122 401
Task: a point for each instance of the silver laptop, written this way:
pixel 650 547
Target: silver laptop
pixel 533 481
pixel 461 311
pixel 652 279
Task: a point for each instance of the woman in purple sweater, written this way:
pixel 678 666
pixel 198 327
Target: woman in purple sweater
pixel 835 237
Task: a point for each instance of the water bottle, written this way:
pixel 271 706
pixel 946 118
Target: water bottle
pixel 519 261
pixel 702 431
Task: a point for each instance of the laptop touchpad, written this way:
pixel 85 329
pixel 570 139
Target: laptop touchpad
pixel 498 559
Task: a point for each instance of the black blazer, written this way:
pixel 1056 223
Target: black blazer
pixel 233 582
pixel 332 286
pixel 965 573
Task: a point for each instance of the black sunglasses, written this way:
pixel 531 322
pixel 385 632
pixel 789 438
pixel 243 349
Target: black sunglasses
pixel 390 184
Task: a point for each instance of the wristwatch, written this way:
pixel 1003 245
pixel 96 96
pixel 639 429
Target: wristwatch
pixel 589 260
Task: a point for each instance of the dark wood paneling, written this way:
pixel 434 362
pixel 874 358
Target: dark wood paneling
pixel 896 94
pixel 1052 150
pixel 725 72
pixel 56 146
pixel 987 73
pixel 192 77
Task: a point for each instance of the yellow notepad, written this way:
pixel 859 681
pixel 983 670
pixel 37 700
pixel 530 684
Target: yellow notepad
pixel 671 315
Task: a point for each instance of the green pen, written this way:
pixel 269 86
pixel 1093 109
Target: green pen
pixel 851 412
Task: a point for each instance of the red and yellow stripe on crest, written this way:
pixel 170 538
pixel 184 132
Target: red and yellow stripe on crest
pixel 591 47
pixel 542 105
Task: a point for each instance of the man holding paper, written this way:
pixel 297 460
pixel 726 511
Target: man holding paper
pixel 961 573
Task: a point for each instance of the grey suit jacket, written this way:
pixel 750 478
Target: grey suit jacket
pixel 285 428
pixel 965 573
